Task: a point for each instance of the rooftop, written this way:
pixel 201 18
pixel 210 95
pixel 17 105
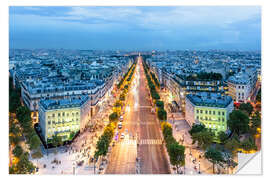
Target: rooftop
pixel 209 99
pixel 240 78
pixel 50 104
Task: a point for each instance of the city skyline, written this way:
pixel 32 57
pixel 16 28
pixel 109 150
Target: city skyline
pixel 136 28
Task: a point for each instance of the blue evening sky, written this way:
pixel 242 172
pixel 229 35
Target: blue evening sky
pixel 136 28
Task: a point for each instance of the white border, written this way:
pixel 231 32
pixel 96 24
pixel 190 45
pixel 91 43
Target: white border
pixel 4 71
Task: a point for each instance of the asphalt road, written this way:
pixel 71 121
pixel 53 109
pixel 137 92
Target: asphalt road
pixel 144 126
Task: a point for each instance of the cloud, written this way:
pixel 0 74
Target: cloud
pixel 204 25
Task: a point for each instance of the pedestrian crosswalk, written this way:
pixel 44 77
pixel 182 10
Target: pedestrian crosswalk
pixel 141 142
pixel 151 141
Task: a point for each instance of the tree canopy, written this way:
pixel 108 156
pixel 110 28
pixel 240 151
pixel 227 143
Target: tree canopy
pixel 246 107
pixel 214 156
pixel 238 122
pixel 203 138
pixel 196 128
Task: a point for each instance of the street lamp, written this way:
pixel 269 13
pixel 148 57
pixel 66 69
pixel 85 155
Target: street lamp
pixel 73 167
pixel 199 167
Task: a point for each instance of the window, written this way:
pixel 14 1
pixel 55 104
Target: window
pixel 201 111
pixel 197 117
pixel 209 112
pixel 63 114
pixel 49 122
pixel 223 113
pixel 242 87
pixel 206 112
pixel 201 118
pixel 59 114
pixel 197 111
pixel 218 112
pixel 53 115
pixel 222 119
pixel 214 112
pixel 206 118
pixel 218 118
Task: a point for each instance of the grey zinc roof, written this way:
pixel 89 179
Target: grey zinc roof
pixel 50 104
pixel 209 99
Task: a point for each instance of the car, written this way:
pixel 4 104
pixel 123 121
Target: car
pixel 121 118
pixel 120 125
pixel 122 136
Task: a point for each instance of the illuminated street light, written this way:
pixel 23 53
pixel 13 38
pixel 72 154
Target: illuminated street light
pixel 199 167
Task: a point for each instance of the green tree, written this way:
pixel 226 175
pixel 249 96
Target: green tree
pixel 34 142
pixel 14 129
pixel 246 107
pixel 23 112
pixel 177 154
pixel 204 138
pixel 14 139
pixel 56 140
pixel 238 122
pixel 196 128
pixel 71 135
pixel 122 97
pixel 113 116
pixel 249 144
pixel 24 166
pixel 17 151
pixel 214 156
pixel 256 120
pixel 162 114
pixel 232 145
pixel 160 104
pixel 222 137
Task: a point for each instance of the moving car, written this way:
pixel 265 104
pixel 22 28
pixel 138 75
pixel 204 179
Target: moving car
pixel 120 125
pixel 121 118
pixel 122 136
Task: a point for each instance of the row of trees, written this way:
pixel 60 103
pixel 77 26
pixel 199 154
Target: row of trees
pixel 14 97
pixel 205 76
pixel 155 79
pixel 106 138
pixel 21 129
pixel 152 87
pixel 215 153
pixel 161 112
pixel 125 76
pixel 174 149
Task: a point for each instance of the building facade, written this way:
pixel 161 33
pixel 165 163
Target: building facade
pixel 242 85
pixel 63 117
pixel 210 109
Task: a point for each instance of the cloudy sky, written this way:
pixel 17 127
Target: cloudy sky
pixel 136 28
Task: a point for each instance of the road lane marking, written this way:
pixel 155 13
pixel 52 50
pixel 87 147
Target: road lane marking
pixel 141 142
